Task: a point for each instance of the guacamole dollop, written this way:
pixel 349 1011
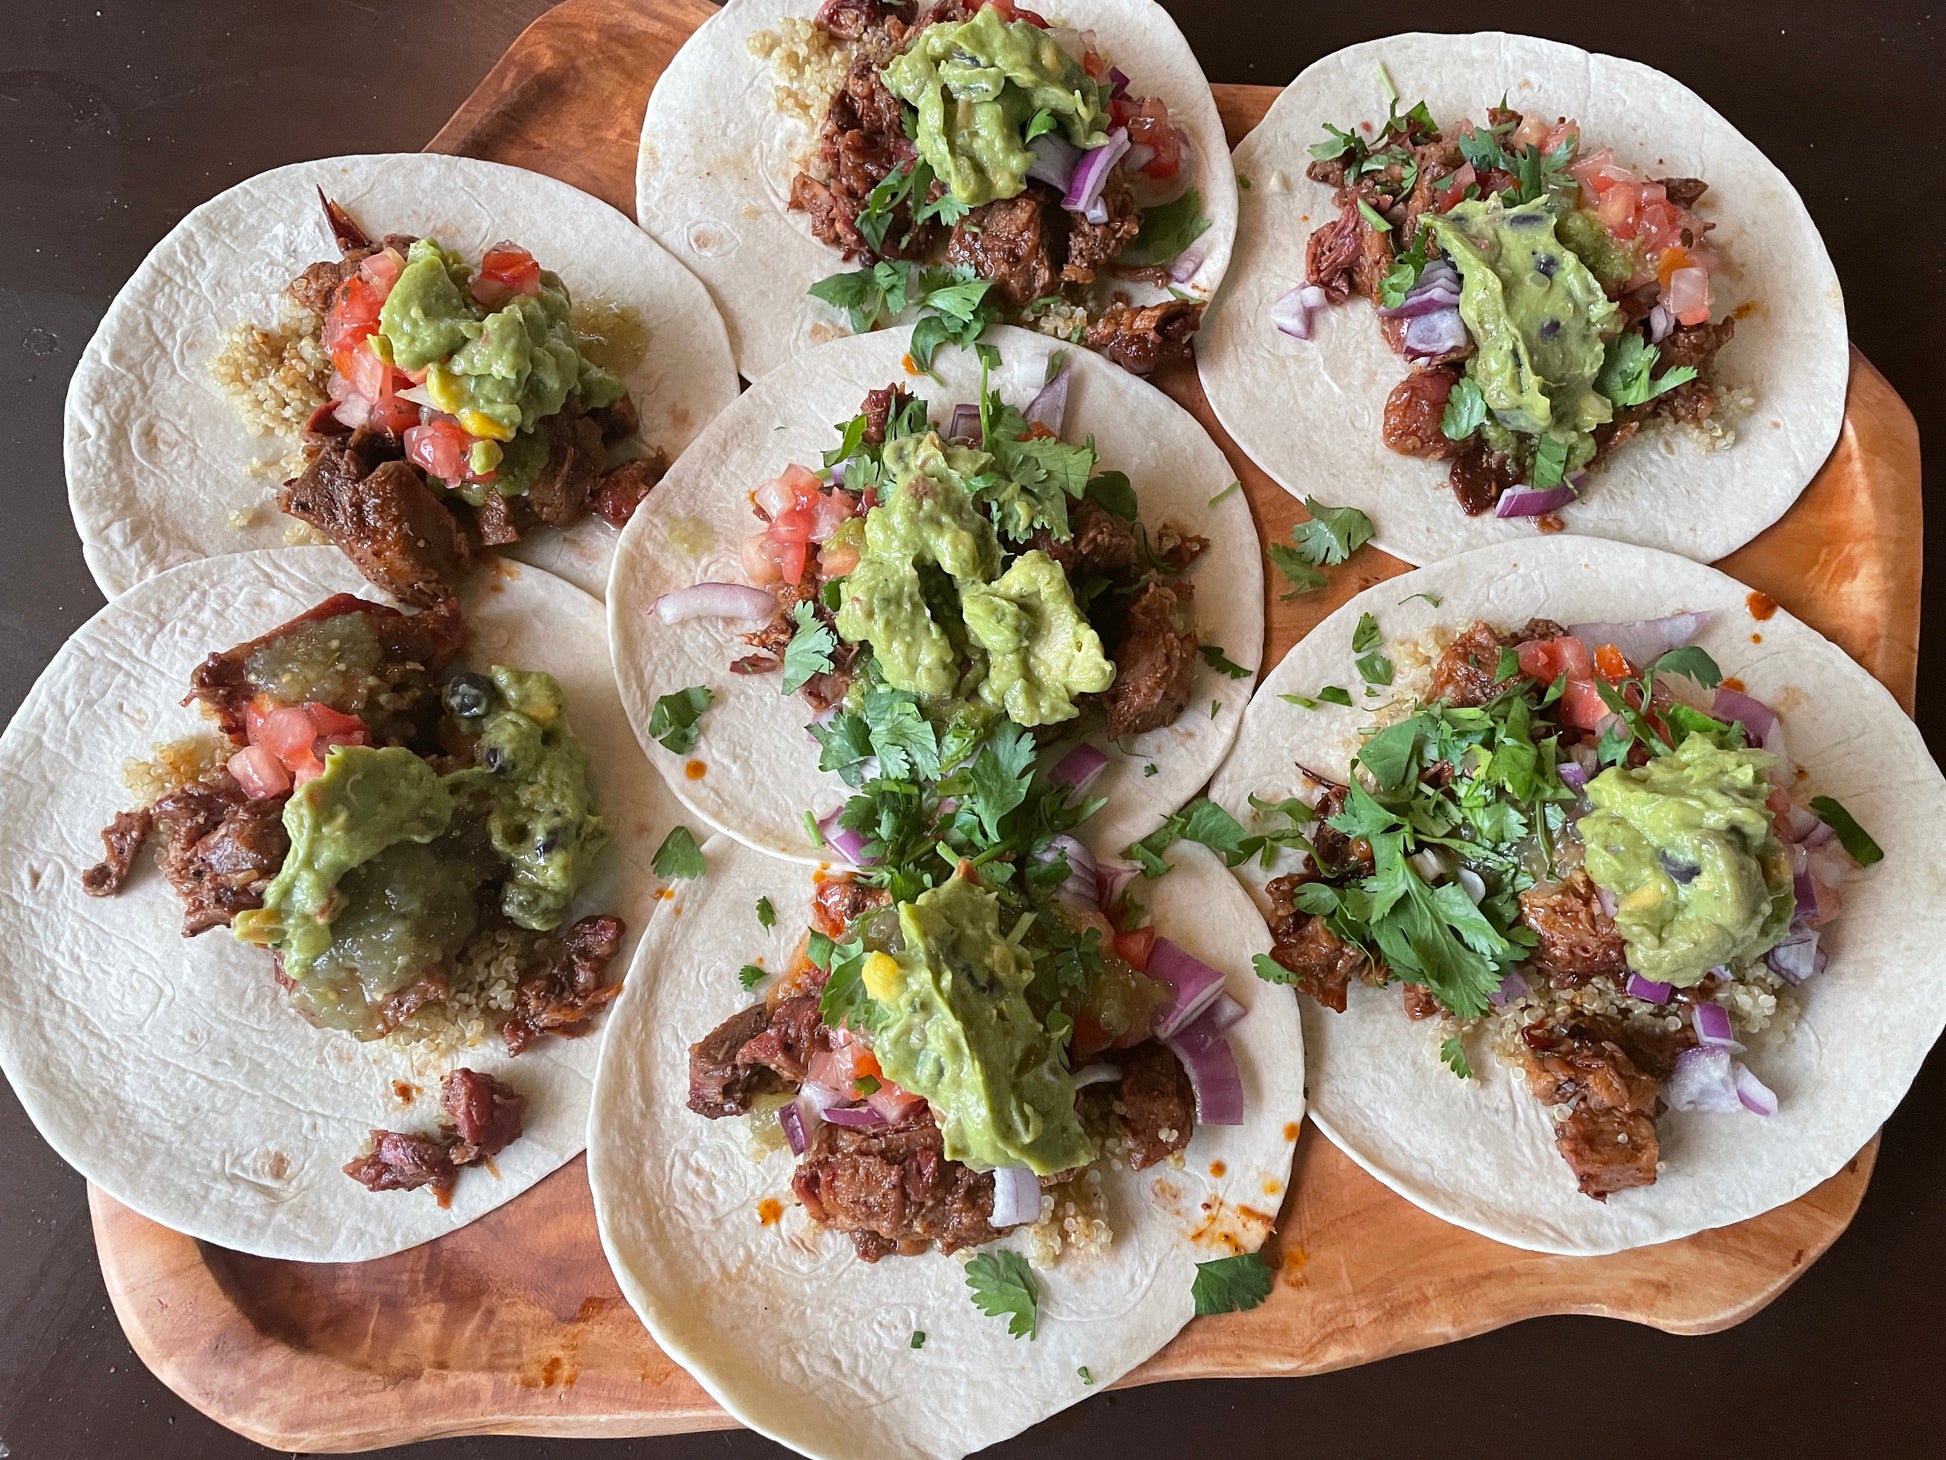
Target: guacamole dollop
pixel 1040 651
pixel 1538 317
pixel 499 372
pixel 977 84
pixel 387 856
pixel 953 1024
pixel 1686 846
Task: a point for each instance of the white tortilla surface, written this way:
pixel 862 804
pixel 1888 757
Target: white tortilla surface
pixel 760 767
pixel 158 460
pixel 1309 412
pixel 713 177
pixel 1480 1152
pixel 782 1323
pixel 171 1072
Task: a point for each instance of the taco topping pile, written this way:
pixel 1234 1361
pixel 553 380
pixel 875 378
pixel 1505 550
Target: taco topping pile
pixel 1566 854
pixel 404 843
pixel 1550 301
pixel 983 162
pixel 462 411
pixel 976 1016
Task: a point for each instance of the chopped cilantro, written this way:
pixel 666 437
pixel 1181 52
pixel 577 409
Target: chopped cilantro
pixel 672 723
pixel 1466 410
pixel 1213 656
pixel 766 914
pixel 1034 476
pixel 1374 217
pixel 1270 970
pixel 1331 694
pixel 918 1339
pixel 1003 1287
pixel 1302 577
pixel 1149 769
pixel 1366 641
pixel 1401 278
pixel 1624 376
pixel 750 976
pixel 809 651
pixel 954 298
pixel 1111 490
pixel 1337 144
pixel 1452 1054
pixel 1332 535
pixel 1432 598
pixel 1550 466
pixel 1236 485
pixel 1231 1284
pixel 678 856
pixel 1856 841
pixel 1085 1376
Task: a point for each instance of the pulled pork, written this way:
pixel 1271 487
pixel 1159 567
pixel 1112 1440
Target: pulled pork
pixel 485 1118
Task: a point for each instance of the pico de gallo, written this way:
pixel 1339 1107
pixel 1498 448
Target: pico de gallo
pixel 1550 300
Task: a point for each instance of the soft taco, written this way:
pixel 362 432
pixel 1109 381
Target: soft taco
pixel 422 359
pixel 826 167
pixel 1611 888
pixel 947 1133
pixel 1489 285
pixel 860 571
pixel 354 911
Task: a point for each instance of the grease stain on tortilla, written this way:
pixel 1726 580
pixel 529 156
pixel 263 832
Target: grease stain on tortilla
pixel 711 238
pixel 1730 681
pixel 1290 1130
pixel 1237 1229
pixel 695 770
pixel 1217 1169
pixel 404 1091
pixel 1756 638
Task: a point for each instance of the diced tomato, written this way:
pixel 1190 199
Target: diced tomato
pixel 1546 660
pixel 1617 209
pixel 506 269
pixel 894 1104
pixel 1595 170
pixel 287 733
pixel 1038 431
pixel 759 563
pixel 1688 296
pixel 392 416
pixel 370 377
pixel 1010 12
pixel 1092 63
pixel 1133 948
pixel 334 722
pixel 352 317
pixel 1560 133
pixel 1613 664
pixel 1150 127
pixel 1531 132
pixel 259 772
pixel 1090 1038
pixel 1444 198
pixel 864 1066
pixel 1121 109
pixel 830 511
pixel 440 446
pixel 381 270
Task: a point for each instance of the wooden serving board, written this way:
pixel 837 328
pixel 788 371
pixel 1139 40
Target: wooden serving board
pixel 514 1324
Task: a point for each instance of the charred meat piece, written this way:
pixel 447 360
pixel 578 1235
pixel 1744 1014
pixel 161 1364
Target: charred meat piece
pixel 1465 676
pixel 878 409
pixel 570 990
pixel 892 1189
pixel 1155 662
pixel 1099 544
pixel 383 668
pixel 1413 412
pixel 1608 1138
pixel 385 519
pixel 718 1084
pixel 486 1112
pixel 1158 1105
pixel 1092 246
pixel 432 989
pixel 559 495
pixel 1338 855
pixel 1684 192
pixel 786 1045
pixel 850 19
pixel 220 849
pixel 1333 249
pixel 1694 345
pixel 618 493
pixel 1478 476
pixel 1420 1002
pixel 618 420
pixel 404 1162
pixel 495 521
pixel 1139 339
pixel 1013 242
pixel 1578 940
pixel 861 142
pixel 122 839
pixel 1324 964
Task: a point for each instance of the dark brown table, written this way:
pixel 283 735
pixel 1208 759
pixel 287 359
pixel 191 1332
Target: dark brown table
pixel 117 120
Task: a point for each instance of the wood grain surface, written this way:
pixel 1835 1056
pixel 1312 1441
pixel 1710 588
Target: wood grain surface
pixel 514 1324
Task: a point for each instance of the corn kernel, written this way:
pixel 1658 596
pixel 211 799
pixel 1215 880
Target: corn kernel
pixel 881 976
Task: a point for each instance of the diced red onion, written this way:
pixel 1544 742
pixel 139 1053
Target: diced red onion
pixel 1212 1068
pixel 713 600
pixel 1428 336
pixel 1016 1196
pixel 1110 879
pixel 1190 260
pixel 836 476
pixel 1573 776
pixel 1648 990
pixel 1533 501
pixel 857 1117
pixel 1606 899
pixel 1055 159
pixel 1292 312
pixel 1081 889
pixel 1802 825
pixel 1512 987
pixel 841 839
pixel 1704 1078
pixel 1643 641
pixel 1193 985
pixel 1140 155
pixel 1472 884
pixel 1117 82
pixel 1438 288
pixel 1734 704
pixel 1096 212
pixel 1712 1023
pixel 1078 769
pixel 1661 321
pixel 1091 172
pixel 1224 1013
pixel 1096 1074
pixel 791 1118
pixel 1756 1096
pixel 353 411
pixel 1050 407
pixel 965 424
pixel 1798 957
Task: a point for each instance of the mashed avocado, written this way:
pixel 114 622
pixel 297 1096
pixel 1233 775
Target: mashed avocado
pixel 1685 845
pixel 499 372
pixel 1538 318
pixel 1040 651
pixel 977 84
pixel 954 1026
pixel 387 856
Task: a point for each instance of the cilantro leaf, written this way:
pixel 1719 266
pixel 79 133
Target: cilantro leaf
pixel 672 723
pixel 1452 1054
pixel 1167 230
pixel 1111 490
pixel 1624 376
pixel 1302 577
pixel 1041 123
pixel 1201 821
pixel 1331 694
pixel 1213 656
pixel 1337 144
pixel 1374 217
pixel 997 780
pixel 1483 150
pixel 1003 1287
pixel 845 745
pixel 1404 273
pixel 1856 841
pixel 918 1339
pixel 844 1000
pixel 750 976
pixel 1466 410
pixel 1332 535
pixel 1236 485
pixel 1550 467
pixel 678 856
pixel 1432 598
pixel 1366 640
pixel 1231 1284
pixel 903 739
pixel 1691 662
pixel 766 914
pixel 1270 970
pixel 810 648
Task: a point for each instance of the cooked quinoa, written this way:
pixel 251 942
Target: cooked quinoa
pixel 1074 1218
pixel 171 764
pixel 807 66
pixel 483 995
pixel 274 378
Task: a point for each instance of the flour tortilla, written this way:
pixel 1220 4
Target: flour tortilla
pixel 713 178
pixel 157 460
pixel 172 1072
pixel 1480 1153
pixel 1309 412
pixel 760 767
pixel 791 1332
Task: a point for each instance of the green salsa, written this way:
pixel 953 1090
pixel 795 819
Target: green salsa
pixel 381 884
pixel 953 1024
pixel 1685 845
pixel 977 84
